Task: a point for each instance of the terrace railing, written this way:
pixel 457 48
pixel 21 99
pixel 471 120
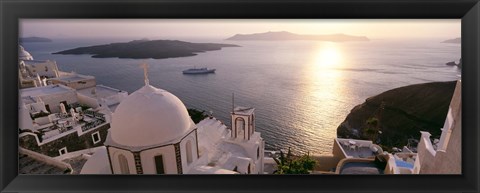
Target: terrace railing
pixel 95 115
pixel 92 124
pixel 99 119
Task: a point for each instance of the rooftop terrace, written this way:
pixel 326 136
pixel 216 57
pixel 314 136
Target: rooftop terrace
pixel 73 78
pixel 45 90
pixel 358 148
pixel 100 91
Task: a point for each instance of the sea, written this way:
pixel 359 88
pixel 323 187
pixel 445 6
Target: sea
pixel 301 90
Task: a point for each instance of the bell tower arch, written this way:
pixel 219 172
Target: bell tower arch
pixel 243 123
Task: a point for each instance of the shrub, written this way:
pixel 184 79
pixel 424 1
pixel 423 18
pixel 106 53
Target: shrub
pixel 197 115
pixel 291 164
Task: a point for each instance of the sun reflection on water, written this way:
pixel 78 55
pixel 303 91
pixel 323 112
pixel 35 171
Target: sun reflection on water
pixel 322 95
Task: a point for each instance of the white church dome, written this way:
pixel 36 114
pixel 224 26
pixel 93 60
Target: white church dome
pixel 23 54
pixel 150 116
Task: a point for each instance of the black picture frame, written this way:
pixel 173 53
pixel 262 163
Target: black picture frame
pixel 467 10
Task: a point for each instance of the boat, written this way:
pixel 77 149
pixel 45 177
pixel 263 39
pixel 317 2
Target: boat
pixel 451 63
pixel 199 71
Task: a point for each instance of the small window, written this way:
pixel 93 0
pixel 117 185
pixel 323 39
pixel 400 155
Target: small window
pixel 63 151
pixel 189 152
pixel 159 164
pixel 258 152
pixel 124 169
pixel 96 137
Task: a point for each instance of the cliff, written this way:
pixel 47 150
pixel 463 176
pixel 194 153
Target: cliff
pixel 143 49
pixel 283 35
pixel 406 111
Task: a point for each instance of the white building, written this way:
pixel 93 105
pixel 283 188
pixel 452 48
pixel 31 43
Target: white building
pixel 446 156
pixel 101 96
pixel 33 73
pixel 53 123
pixel 152 133
pixel 75 81
pixel 23 54
pixel 48 98
pixel 44 68
pixel 89 93
pixel 71 114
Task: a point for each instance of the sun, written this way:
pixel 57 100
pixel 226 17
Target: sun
pixel 328 56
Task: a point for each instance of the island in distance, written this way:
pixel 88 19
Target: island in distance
pixel 34 39
pixel 144 49
pixel 284 35
pixel 453 41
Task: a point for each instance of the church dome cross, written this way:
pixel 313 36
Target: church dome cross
pixel 145 73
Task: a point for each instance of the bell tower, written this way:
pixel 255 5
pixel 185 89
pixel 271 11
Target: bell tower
pixel 243 122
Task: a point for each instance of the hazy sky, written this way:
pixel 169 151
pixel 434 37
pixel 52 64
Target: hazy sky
pixel 223 28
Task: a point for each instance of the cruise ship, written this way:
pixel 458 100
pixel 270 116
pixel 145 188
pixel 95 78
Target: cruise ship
pixel 198 71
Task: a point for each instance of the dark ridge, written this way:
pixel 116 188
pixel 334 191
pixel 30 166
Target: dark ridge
pixel 144 49
pixel 34 39
pixel 407 111
pixel 283 35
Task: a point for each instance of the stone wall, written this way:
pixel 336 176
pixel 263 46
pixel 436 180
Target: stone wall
pixel 73 142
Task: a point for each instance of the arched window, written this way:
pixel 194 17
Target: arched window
pixel 189 151
pixel 123 164
pixel 240 127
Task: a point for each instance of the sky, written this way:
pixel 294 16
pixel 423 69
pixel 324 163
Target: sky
pixel 224 28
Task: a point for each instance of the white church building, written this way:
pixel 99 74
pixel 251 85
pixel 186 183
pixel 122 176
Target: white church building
pixel 152 133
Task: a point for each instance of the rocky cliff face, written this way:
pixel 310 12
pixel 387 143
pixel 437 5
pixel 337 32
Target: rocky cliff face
pixel 400 114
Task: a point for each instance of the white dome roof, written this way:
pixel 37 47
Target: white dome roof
pixel 23 54
pixel 150 116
